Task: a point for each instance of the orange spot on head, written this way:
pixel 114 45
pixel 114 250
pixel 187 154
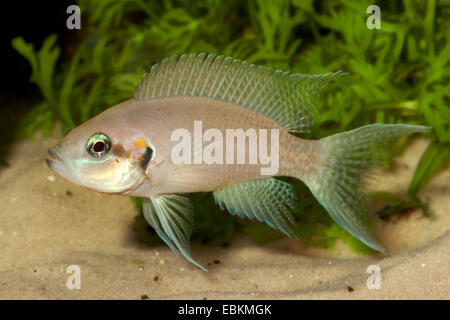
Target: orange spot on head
pixel 140 143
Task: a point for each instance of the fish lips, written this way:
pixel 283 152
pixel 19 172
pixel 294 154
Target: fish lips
pixel 57 161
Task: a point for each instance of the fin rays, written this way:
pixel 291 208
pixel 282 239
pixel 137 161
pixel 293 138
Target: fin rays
pixel 341 186
pixel 288 99
pixel 171 216
pixel 268 200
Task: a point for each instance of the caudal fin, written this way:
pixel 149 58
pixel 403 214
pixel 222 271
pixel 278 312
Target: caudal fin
pixel 340 183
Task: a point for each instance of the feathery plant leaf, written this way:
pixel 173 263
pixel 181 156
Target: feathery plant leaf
pixel 436 156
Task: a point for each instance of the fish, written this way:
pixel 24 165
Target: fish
pixel 172 138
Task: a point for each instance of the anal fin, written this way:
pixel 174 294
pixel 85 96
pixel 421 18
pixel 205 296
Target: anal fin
pixel 268 200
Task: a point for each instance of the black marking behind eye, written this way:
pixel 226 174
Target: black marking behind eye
pixel 146 157
pixel 119 151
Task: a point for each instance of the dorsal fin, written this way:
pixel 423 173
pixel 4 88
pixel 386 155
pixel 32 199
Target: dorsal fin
pixel 287 98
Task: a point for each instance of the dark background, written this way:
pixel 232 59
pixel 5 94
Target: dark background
pixel 34 21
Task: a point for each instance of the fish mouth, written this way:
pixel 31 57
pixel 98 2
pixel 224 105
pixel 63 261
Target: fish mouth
pixel 53 155
pixel 57 160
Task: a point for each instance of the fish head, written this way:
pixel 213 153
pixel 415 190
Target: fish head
pixel 103 156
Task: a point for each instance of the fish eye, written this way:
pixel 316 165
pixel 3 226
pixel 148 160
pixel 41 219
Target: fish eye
pixel 98 145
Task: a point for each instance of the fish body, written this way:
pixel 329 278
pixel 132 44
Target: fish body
pixel 155 120
pixel 201 123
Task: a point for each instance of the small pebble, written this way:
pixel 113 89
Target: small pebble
pixel 423 264
pixel 1 233
pixel 156 253
pixel 139 262
pixel 291 276
pixel 161 261
pixel 181 269
pixel 14 233
pixel 13 199
pixel 51 178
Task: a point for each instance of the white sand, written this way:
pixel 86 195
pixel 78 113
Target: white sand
pixel 43 231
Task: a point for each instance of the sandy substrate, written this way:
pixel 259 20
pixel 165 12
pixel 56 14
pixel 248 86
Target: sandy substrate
pixel 44 229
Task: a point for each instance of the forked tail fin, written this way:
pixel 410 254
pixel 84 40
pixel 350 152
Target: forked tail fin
pixel 340 183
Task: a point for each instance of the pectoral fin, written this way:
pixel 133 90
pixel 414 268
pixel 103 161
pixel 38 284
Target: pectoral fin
pixel 172 217
pixel 269 200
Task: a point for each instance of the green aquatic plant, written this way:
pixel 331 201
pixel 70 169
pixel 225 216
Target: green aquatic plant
pixel 396 74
